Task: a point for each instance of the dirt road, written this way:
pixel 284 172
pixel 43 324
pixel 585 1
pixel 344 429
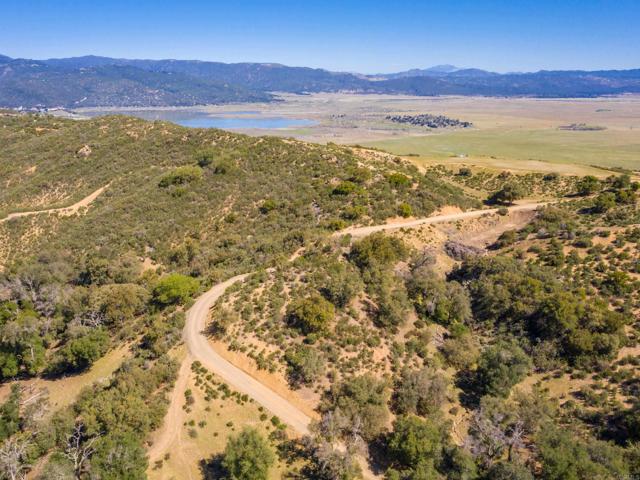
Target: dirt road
pixel 64 211
pixel 200 349
pixel 357 232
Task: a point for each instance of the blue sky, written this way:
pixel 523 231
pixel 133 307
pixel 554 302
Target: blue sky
pixel 364 36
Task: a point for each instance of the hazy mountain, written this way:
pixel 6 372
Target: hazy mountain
pixel 259 76
pixel 102 81
pixel 435 71
pixel 29 83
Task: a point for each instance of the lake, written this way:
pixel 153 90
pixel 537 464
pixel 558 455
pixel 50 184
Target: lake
pixel 240 123
pixel 230 120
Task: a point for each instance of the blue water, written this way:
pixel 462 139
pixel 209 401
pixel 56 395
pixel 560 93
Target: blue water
pixel 235 123
pixel 230 120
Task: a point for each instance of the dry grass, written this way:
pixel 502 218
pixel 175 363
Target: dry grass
pixel 223 418
pixel 64 391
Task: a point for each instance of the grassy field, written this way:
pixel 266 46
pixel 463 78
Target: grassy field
pixel 524 148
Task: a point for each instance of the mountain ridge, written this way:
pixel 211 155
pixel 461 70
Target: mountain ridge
pixel 93 81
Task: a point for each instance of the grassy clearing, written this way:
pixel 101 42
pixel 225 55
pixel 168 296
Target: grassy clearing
pixel 521 147
pixel 221 418
pixel 64 391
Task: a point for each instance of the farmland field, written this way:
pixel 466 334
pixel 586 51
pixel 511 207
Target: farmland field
pixel 522 148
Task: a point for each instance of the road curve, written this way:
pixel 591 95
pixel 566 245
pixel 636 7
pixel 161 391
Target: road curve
pixel 200 349
pixel 64 211
pixel 357 232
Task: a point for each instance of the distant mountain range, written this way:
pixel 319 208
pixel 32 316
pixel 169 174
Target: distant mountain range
pixel 93 81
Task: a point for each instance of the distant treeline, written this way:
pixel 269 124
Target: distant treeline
pixel 430 121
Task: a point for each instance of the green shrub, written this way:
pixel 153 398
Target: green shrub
pixel 181 176
pixel 268 205
pixel 588 185
pixel 507 194
pixel 399 180
pixel 345 188
pixel 405 210
pixel 204 158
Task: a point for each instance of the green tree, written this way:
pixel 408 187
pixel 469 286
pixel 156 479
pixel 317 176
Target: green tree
pixel 10 413
pixel 604 202
pixel 437 300
pixel 377 251
pixel 420 391
pixel 175 288
pixel 507 194
pixel 414 441
pixel 509 471
pixel 500 367
pixel 80 353
pixel 119 456
pixel 119 302
pixel 306 364
pixel 312 314
pixel 338 281
pixel 362 400
pixel 248 456
pixel 564 456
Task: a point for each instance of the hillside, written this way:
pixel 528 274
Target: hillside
pixel 101 81
pixel 484 346
pixel 307 187
pixel 172 209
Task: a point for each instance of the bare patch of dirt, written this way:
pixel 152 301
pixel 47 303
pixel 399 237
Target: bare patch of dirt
pixel 84 151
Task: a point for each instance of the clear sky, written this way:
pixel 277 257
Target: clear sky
pixel 351 35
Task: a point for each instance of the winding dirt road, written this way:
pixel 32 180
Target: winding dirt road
pixel 200 349
pixel 64 211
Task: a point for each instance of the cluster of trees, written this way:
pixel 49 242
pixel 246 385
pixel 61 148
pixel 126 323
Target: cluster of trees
pixel 532 303
pixel 375 257
pixel 59 318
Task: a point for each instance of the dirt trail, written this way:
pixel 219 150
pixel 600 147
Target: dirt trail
pixel 64 211
pixel 452 217
pixel 200 349
pixel 173 420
